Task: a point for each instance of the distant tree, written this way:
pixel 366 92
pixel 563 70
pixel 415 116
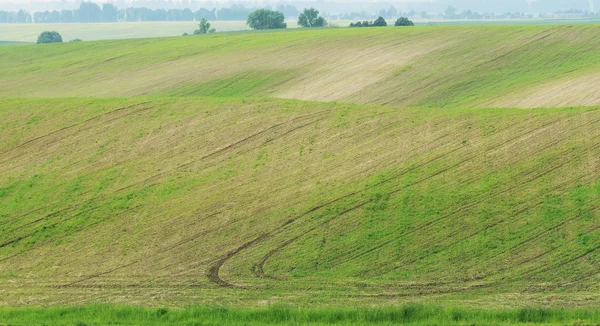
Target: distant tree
pixel 310 18
pixel 392 12
pixel 89 12
pixel 109 12
pixel 55 16
pixel 23 17
pixel 235 12
pixel 187 15
pixel 266 19
pixel 49 37
pixel 362 24
pixel 403 21
pixel 206 14
pixel 66 16
pixel 379 22
pixel 75 40
pixel 450 12
pixel 204 28
pixel 288 10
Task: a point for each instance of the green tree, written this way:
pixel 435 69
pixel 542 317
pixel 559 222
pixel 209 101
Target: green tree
pixel 379 22
pixel 109 12
pixel 450 12
pixel 204 27
pixel 403 21
pixel 310 18
pixel 266 19
pixel 49 37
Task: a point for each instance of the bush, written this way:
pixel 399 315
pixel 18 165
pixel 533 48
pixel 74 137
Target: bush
pixel 377 23
pixel 266 19
pixel 403 21
pixel 49 37
pixel 310 18
pixel 380 22
pixel 204 27
pixel 76 40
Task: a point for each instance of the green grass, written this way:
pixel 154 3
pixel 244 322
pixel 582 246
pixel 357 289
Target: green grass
pixel 282 315
pixel 250 170
pixel 453 66
pixel 112 31
pixel 241 193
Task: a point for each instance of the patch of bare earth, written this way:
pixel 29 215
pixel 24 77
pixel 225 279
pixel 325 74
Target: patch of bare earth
pixel 578 91
pixel 342 74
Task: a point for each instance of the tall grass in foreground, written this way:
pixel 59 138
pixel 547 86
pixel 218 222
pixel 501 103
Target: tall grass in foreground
pixel 279 315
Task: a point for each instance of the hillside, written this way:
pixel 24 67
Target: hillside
pixel 477 66
pixel 172 199
pixel 193 170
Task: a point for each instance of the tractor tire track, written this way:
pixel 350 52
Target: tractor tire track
pixel 211 154
pixel 81 123
pixel 213 271
pixel 157 176
pixel 258 268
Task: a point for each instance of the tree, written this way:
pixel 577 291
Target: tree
pixel 310 18
pixel 450 12
pixel 392 12
pixel 206 14
pixel 49 37
pixel 266 19
pixel 89 12
pixel 403 21
pixel 362 24
pixel 379 22
pixel 204 27
pixel 288 10
pixel 236 12
pixel 109 12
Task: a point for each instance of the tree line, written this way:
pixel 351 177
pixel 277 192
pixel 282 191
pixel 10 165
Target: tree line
pixel 260 19
pixel 90 12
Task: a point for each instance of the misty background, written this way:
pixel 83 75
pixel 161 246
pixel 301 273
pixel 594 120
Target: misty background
pixel 329 6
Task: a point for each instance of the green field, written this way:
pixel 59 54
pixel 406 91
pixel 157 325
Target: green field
pixel 115 31
pixel 334 175
pixel 437 67
pixel 282 315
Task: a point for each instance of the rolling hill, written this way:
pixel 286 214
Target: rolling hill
pixel 461 67
pixel 322 167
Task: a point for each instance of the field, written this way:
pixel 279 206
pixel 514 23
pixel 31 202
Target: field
pixel 349 174
pixel 115 31
pixel 282 315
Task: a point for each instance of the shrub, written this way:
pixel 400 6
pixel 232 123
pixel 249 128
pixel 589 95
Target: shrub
pixel 266 19
pixel 49 37
pixel 403 21
pixel 361 24
pixel 378 22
